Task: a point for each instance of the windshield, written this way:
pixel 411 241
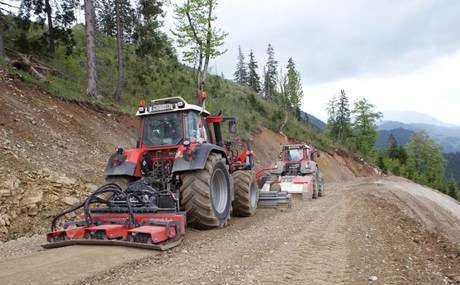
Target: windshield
pixel 294 154
pixel 162 129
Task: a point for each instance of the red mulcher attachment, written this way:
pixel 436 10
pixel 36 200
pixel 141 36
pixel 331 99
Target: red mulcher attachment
pixel 140 216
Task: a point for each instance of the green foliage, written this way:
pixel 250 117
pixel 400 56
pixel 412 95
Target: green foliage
pixel 253 77
pixel 339 121
pixel 148 38
pixel 59 16
pixel 106 17
pixel 241 73
pixel 381 164
pixel 453 166
pixel 395 151
pixel 270 75
pixel 293 87
pixel 426 163
pixel 452 188
pixel 364 126
pixel 192 31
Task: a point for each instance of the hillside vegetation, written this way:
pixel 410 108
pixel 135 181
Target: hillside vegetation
pixel 148 78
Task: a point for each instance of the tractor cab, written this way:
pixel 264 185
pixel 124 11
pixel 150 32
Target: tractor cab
pixel 293 154
pixel 172 122
pixel 295 160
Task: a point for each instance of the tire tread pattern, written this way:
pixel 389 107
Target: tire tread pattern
pixel 242 207
pixel 196 196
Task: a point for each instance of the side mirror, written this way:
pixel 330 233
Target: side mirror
pixel 232 127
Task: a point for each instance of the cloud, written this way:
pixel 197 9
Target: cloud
pixel 331 40
pixel 432 89
pixel 400 54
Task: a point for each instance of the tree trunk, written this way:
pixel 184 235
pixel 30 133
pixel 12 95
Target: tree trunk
pixel 90 17
pixel 208 44
pixel 50 26
pixel 120 58
pixel 286 117
pixel 199 79
pixel 2 47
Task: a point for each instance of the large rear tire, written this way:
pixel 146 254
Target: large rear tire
pixel 315 188
pixel 206 194
pixel 246 194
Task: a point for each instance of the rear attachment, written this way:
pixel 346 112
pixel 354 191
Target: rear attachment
pixel 274 199
pixel 270 194
pixel 140 216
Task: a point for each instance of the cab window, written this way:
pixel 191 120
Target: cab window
pixel 192 123
pixel 294 155
pixel 162 129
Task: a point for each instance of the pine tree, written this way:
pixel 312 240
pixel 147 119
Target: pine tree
pixel 331 125
pixel 59 28
pixel 241 73
pixel 343 118
pixel 108 12
pixel 253 77
pixel 147 36
pixel 364 126
pixel 452 188
pixel 105 16
pixel 392 147
pixel 293 89
pixel 271 75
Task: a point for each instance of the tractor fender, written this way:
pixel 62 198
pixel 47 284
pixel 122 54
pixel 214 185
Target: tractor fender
pixel 125 163
pixel 194 157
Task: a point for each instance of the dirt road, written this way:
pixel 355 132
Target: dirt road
pixel 363 228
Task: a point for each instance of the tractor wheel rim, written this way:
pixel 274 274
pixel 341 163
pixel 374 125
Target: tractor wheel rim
pixel 219 191
pixel 253 195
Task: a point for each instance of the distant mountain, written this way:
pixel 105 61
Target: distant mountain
pixel 312 120
pixel 447 137
pixel 401 135
pixel 410 117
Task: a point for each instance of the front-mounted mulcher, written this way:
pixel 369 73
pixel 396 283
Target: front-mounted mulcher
pixel 181 172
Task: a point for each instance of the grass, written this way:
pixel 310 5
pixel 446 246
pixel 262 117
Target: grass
pixel 150 78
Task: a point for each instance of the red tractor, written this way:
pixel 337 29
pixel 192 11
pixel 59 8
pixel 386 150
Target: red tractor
pixel 296 172
pixel 181 171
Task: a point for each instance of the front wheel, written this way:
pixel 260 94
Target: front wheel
pixel 246 194
pixel 205 194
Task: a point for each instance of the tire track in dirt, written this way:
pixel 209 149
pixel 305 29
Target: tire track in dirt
pixel 244 255
pixel 315 255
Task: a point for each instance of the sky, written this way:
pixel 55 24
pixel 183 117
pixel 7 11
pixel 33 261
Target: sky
pixel 399 54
